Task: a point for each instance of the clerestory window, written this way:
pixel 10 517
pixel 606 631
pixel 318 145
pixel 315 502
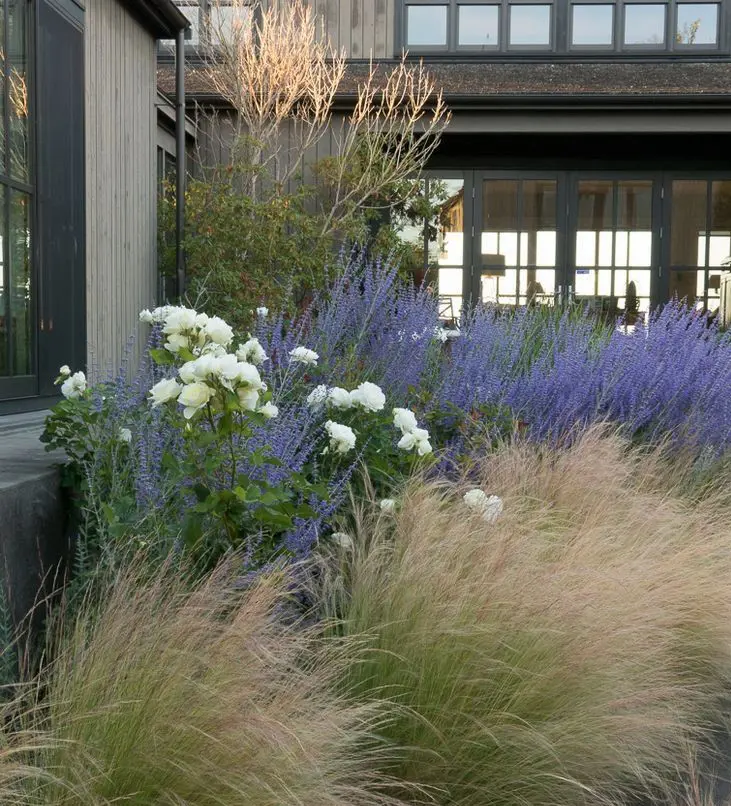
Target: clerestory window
pixel 212 20
pixel 568 26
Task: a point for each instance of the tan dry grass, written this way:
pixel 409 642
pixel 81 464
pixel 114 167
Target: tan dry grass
pixel 170 697
pixel 567 653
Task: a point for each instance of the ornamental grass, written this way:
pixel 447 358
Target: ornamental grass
pixel 576 650
pixel 167 696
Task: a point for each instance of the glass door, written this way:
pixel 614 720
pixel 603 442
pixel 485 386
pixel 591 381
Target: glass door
pixel 699 247
pixel 431 229
pixel 613 237
pixel 518 240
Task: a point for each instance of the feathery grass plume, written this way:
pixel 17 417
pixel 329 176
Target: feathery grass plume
pixel 163 695
pixel 567 652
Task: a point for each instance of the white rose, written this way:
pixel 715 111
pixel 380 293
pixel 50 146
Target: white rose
pixel 343 540
pixel 125 435
pixel 387 505
pixel 368 396
pixel 219 331
pixel 225 368
pixel 251 351
pixel 317 396
pixel 162 391
pixel 248 398
pixel 423 447
pixel 301 355
pixel 340 398
pixel 177 342
pixel 193 397
pixel 146 317
pixel 405 419
pixel 74 386
pixel 269 410
pixel 65 371
pixel 262 312
pixel 248 375
pixel 201 320
pixel 179 320
pixel 418 438
pixel 342 437
pixel 160 314
pixel 489 506
pixel 440 333
pixel 211 348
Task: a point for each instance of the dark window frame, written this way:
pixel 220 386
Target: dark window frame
pixel 561 31
pixel 12 384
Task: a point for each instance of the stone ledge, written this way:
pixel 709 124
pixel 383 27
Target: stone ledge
pixel 32 513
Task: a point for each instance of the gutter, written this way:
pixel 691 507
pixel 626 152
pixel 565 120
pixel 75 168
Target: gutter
pixel 180 161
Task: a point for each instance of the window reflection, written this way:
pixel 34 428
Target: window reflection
pixel 479 25
pixel 614 244
pixel 20 283
pixel 700 239
pixel 227 21
pixel 697 24
pixel 518 241
pixel 426 25
pixel 592 25
pixel 16 68
pixel 430 228
pixel 644 24
pixel 530 25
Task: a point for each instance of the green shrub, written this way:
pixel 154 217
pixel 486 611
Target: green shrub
pixel 570 651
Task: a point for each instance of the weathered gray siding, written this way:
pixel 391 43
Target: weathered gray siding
pixel 364 28
pixel 120 178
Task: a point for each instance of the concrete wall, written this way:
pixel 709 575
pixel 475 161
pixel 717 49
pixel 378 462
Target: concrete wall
pixel 120 178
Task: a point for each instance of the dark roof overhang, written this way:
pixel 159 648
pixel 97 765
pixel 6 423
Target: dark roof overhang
pixel 491 85
pixel 162 18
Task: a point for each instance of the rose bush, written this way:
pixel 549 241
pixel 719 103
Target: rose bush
pixel 227 477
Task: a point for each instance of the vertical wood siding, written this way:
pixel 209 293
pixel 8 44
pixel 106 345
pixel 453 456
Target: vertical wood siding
pixel 364 28
pixel 120 175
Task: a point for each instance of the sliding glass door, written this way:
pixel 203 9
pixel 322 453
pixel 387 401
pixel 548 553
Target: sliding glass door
pixel 614 238
pixel 518 244
pixel 617 243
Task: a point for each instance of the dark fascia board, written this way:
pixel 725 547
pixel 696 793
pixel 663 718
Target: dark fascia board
pixel 579 100
pixel 162 18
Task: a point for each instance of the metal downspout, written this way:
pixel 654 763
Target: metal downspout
pixel 180 159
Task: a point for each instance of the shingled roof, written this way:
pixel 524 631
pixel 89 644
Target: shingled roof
pixel 474 82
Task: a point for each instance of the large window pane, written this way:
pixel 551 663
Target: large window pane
pixel 426 25
pixel 5 296
pixel 719 246
pixel 634 208
pixel 21 334
pixel 446 244
pixel 688 223
pixel 228 22
pixel 17 67
pixel 596 199
pixel 3 68
pixel 479 25
pixel 697 24
pixel 530 25
pixel 592 25
pixel 644 24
